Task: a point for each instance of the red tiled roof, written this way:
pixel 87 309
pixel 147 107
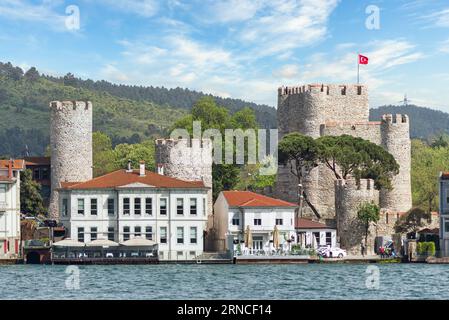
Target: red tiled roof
pixel 251 199
pixel 121 178
pixel 302 223
pixel 18 164
pixel 37 161
pixel 428 230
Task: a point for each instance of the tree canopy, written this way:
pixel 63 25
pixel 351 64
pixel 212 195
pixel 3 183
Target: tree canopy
pixel 352 156
pixel 31 202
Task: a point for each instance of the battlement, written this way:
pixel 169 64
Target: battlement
pixel 70 105
pixel 395 119
pixel 325 89
pixel 353 184
pixel 187 143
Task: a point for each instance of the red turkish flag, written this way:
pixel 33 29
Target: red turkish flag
pixel 363 59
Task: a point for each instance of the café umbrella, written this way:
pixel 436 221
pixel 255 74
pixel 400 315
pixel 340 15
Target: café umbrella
pixel 276 237
pixel 248 238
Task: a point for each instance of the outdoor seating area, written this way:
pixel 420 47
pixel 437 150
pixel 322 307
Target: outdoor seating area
pixel 103 249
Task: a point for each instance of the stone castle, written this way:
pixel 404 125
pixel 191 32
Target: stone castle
pixel 319 109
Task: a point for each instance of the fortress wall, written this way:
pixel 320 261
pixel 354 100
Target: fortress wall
pixel 189 161
pixel 349 196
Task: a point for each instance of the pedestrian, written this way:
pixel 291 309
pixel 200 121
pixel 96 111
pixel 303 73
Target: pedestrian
pixel 362 249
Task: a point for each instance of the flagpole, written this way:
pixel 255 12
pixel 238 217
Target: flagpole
pixel 358 68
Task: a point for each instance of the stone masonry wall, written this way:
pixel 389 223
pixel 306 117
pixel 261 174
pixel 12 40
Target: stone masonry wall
pixel 350 231
pixel 396 140
pixel 71 146
pixel 187 161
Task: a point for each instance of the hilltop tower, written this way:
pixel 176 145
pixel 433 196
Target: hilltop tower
pixel 348 197
pixel 395 133
pixel 187 160
pixel 71 146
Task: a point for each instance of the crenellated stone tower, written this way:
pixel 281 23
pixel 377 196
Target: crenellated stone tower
pixel 71 146
pixel 349 195
pixel 187 160
pixel 318 109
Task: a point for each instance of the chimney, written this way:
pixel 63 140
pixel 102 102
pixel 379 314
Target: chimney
pixel 160 169
pixel 10 165
pixel 142 169
pixel 129 169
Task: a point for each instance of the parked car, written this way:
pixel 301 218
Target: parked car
pixel 334 252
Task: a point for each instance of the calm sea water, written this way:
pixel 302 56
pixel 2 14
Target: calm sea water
pixel 310 281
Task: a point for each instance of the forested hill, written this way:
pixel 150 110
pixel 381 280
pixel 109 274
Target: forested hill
pixel 128 114
pixel 176 98
pixel 424 122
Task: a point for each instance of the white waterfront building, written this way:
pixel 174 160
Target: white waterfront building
pixel 235 211
pixel 128 204
pixel 10 207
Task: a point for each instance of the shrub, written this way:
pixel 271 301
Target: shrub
pixel 426 248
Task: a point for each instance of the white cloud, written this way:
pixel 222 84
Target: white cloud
pixel 233 10
pixel 444 47
pixel 287 71
pixel 439 19
pixel 145 8
pixel 28 11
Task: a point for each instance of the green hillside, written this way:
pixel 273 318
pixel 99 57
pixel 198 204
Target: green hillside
pixel 24 114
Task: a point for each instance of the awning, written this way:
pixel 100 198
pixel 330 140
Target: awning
pixel 105 243
pixel 68 243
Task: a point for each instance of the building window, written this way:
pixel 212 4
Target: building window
pixel 235 221
pixel 93 233
pixel 137 231
pixel 328 238
pixel 81 234
pixel 45 174
pixel 149 233
pixel 446 226
pixel 36 174
pixel 111 207
pixel 180 235
pixel 149 206
pixel 65 207
pixel 204 207
pixel 111 236
pixel 193 206
pixel 125 205
pixel 137 206
pixel 126 233
pixel 279 222
pixel 163 235
pixel 93 207
pixel 3 194
pixel 257 222
pixel 193 235
pixel 317 237
pixel 163 206
pixel 179 206
pixel 80 206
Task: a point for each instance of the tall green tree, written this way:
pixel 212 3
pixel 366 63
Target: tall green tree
pixel 427 162
pixel 351 156
pixel 31 202
pixel 367 213
pixel 103 154
pixel 213 116
pixel 301 154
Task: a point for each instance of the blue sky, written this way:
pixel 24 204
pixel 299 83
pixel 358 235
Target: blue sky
pixel 241 49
